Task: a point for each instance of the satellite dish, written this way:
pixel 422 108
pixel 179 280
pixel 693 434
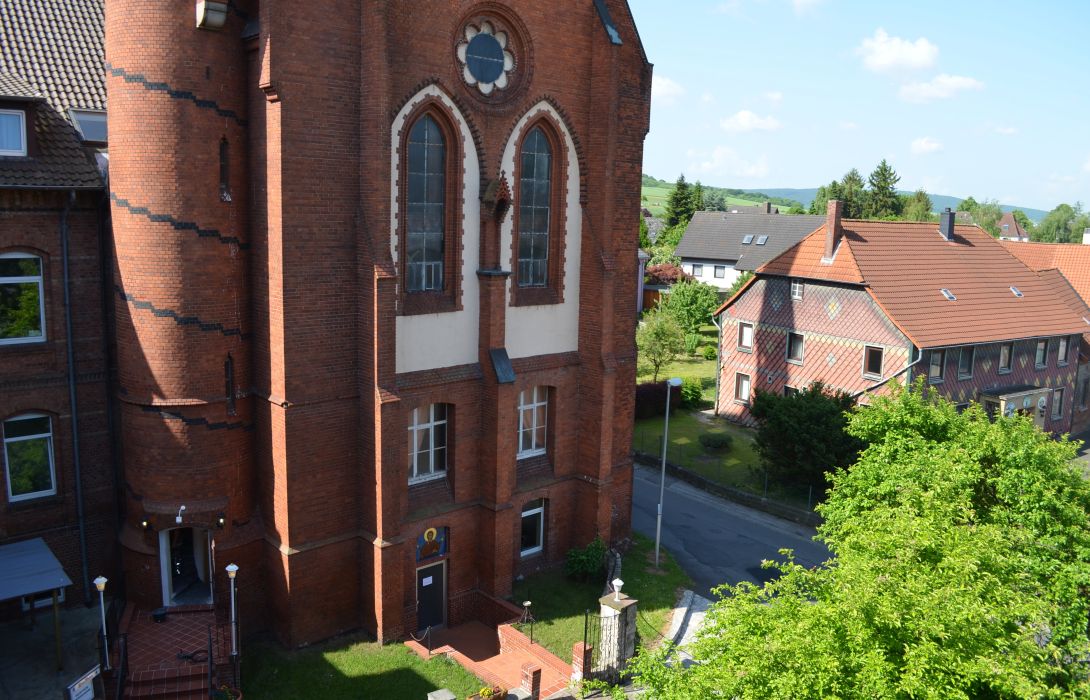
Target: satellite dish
pixel 1041 403
pixel 1027 402
pixel 1009 411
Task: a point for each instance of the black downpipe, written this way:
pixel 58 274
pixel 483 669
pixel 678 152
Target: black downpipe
pixel 72 399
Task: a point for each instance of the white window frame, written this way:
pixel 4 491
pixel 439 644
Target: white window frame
pixel 38 279
pixel 698 269
pixel 881 361
pixel 936 378
pixel 797 289
pixel 1063 351
pixel 22 131
pixel 1058 403
pixel 1010 358
pixel 738 398
pixel 742 337
pixel 720 272
pixel 1039 353
pixel 972 361
pixel 802 348
pixel 420 423
pixel 538 398
pixel 538 510
pixel 52 491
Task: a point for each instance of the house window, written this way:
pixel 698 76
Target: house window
pixel 426 204
pixel 965 362
pixel 91 124
pixel 872 361
pixel 720 271
pixel 1041 358
pixel 1084 392
pixel 790 391
pixel 428 442
pixel 225 170
pixel 12 132
pixel 535 199
pixel 1006 357
pixel 794 347
pixel 1057 404
pixel 532 539
pixel 22 303
pixel 533 411
pixel 745 336
pixel 796 289
pixel 741 388
pixel 1062 354
pixel 938 366
pixel 698 270
pixel 28 457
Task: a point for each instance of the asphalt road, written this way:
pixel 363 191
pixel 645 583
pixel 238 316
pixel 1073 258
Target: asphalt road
pixel 717 541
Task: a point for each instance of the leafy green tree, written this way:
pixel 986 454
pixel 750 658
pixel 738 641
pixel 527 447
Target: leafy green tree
pixel 795 210
pixel 696 198
pixel 853 195
pixel 960 568
pixel 1024 221
pixel 882 200
pixel 1064 224
pixel 738 283
pixel 645 236
pixel 679 203
pixel 670 236
pixel 692 303
pixel 660 340
pixel 714 200
pixel 822 197
pixel 918 207
pixel 802 437
pixel 968 204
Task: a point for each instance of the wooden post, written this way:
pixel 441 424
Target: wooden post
pixel 57 628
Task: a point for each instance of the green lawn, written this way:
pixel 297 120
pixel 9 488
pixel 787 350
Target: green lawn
pixel 654 199
pixel 559 604
pixel 690 366
pixel 733 467
pixel 349 669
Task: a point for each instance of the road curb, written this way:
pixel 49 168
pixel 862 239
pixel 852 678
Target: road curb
pixel 682 612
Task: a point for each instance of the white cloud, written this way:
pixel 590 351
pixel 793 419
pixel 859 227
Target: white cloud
pixel 725 162
pixel 848 125
pixel 924 145
pixel 746 120
pixel 939 88
pixel 804 6
pixel 774 96
pixel 1006 130
pixel 665 91
pixel 707 97
pixel 883 52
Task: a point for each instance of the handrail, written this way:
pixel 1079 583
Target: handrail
pixel 122 665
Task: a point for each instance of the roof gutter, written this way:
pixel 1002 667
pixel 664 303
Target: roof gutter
pixel 891 377
pixel 70 347
pixel 55 188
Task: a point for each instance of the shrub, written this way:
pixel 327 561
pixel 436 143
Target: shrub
pixel 692 392
pixel 665 274
pixel 692 341
pixel 708 352
pixel 586 563
pixel 651 399
pixel 716 441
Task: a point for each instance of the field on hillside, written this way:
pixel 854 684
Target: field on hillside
pixel 654 199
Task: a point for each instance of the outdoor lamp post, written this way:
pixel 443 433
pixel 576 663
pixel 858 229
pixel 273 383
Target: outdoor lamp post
pixel 232 571
pixel 672 382
pixel 100 584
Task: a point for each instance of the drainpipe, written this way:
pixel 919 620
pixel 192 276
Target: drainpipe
pixel 718 358
pixel 72 398
pixel 885 381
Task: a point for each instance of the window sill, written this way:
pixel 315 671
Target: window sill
pixel 530 553
pixel 416 480
pixel 792 361
pixel 522 456
pixel 748 351
pixel 741 402
pixel 1008 370
pixel 33 343
pixel 872 377
pixel 939 380
pixel 1062 364
pixel 48 499
pixel 963 377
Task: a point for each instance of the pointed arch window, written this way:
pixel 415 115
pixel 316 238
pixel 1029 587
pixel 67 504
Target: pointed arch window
pixel 539 216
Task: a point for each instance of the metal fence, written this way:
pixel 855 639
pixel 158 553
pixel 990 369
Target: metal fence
pixel 602 635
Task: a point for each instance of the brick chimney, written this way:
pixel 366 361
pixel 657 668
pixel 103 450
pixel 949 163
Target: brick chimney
pixel 832 228
pixel 768 207
pixel 946 224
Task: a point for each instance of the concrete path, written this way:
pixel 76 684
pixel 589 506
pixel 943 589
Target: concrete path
pixel 714 540
pixel 28 661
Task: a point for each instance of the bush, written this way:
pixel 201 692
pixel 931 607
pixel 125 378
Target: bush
pixel 651 399
pixel 692 341
pixel 708 352
pixel 692 392
pixel 716 441
pixel 586 563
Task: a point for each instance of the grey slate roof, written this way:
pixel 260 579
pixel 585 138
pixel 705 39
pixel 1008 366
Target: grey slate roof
pixel 15 88
pixel 714 235
pixel 56 48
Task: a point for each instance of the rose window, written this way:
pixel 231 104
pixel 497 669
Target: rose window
pixel 485 58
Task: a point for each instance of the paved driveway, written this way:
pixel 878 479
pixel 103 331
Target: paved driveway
pixel 717 541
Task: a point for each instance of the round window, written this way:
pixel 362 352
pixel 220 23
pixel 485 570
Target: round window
pixel 486 58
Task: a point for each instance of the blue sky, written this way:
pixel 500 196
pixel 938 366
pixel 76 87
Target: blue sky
pixel 989 99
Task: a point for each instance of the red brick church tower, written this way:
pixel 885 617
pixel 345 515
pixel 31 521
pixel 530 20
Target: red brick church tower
pixel 375 299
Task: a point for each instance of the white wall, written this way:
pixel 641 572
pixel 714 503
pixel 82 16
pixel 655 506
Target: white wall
pixel 708 274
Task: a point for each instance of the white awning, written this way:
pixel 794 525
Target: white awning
pixel 28 568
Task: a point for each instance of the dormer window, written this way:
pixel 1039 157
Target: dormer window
pixel 12 132
pixel 91 124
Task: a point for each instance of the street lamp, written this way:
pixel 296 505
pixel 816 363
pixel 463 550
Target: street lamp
pixel 672 382
pixel 232 571
pixel 100 584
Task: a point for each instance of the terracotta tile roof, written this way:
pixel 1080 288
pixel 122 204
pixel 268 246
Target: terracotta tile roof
pixel 54 48
pixel 905 264
pixel 1072 259
pixel 1009 227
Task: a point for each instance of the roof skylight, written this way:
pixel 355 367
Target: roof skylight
pixel 761 240
pixel 747 239
pixel 948 294
pixel 1017 292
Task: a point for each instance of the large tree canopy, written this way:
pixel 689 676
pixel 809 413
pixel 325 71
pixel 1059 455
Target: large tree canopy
pixel 692 303
pixel 960 569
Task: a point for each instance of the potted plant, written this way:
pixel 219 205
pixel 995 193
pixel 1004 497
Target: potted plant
pixel 489 693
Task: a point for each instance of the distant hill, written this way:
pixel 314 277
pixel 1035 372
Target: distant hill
pixel 656 191
pixel 940 201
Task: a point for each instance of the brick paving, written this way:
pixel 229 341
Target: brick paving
pixel 157 667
